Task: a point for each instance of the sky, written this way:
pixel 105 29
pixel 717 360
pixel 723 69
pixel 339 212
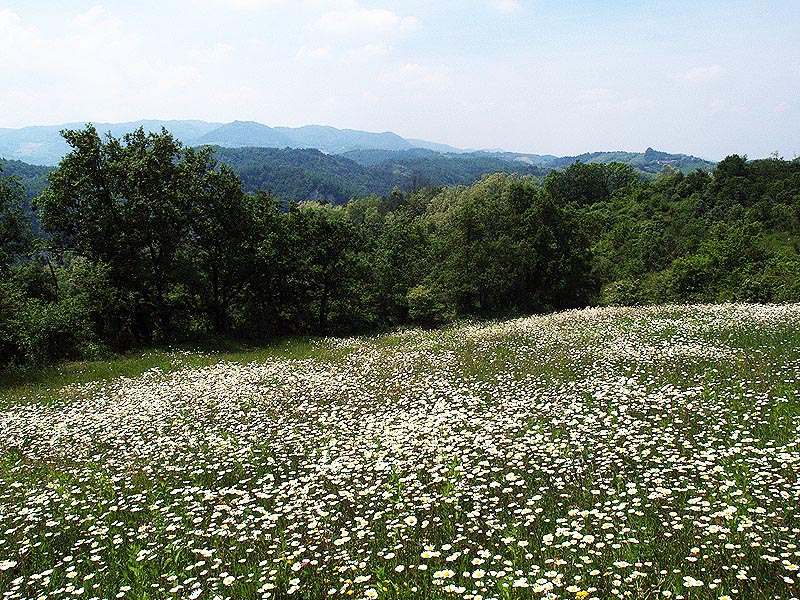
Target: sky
pixel 709 78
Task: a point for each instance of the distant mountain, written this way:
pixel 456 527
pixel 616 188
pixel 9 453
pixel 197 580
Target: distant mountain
pixel 444 148
pixel 371 157
pixel 648 163
pixel 338 141
pixel 182 130
pixel 242 134
pixel 43 145
pixel 36 145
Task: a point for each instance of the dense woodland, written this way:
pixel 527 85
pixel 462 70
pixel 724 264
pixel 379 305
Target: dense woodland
pixel 145 242
pixel 290 174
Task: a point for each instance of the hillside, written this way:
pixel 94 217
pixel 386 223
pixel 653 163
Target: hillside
pixel 324 163
pixel 43 145
pixel 32 177
pixel 290 174
pixel 647 163
pixel 562 452
pixel 336 141
pixel 310 174
pixel 244 133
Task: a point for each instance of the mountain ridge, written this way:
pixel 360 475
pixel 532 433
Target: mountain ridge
pixel 43 144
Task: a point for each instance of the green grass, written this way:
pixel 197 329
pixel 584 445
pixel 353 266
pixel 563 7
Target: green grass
pixel 599 452
pixel 45 383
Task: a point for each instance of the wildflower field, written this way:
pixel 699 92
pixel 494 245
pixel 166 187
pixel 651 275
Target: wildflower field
pixel 632 453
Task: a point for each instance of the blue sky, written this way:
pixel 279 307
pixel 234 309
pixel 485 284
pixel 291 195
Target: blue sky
pixel 707 78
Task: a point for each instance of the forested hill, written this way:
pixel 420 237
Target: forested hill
pixel 290 174
pixel 32 177
pixel 308 174
pixel 648 163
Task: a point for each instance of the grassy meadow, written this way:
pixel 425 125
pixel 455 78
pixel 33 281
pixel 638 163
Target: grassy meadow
pixel 603 453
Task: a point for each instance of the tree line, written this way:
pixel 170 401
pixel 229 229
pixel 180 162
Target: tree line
pixel 146 242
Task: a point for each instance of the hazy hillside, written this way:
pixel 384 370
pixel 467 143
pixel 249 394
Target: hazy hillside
pixel 649 162
pixel 373 157
pixel 243 133
pixel 337 141
pixel 43 145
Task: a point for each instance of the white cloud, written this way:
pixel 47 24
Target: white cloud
pixel 94 67
pixel 366 52
pixel 253 4
pixel 89 18
pixel 321 53
pixel 238 5
pixel 361 21
pixel 212 55
pixel 16 41
pixel 604 100
pixel 507 6
pixel 700 74
pixel 415 75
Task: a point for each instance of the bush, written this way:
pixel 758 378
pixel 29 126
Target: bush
pixel 53 331
pixel 426 306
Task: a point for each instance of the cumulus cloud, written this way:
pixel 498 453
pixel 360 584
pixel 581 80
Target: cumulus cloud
pixel 238 5
pixel 321 53
pixel 700 74
pixel 507 6
pixel 89 18
pixel 415 75
pixel 359 21
pixel 93 65
pixel 214 54
pixel 366 52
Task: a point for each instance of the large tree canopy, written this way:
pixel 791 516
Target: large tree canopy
pixel 148 242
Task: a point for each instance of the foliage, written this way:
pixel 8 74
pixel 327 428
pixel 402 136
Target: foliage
pixel 148 242
pixel 15 233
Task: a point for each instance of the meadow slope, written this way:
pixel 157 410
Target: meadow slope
pixel 631 453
